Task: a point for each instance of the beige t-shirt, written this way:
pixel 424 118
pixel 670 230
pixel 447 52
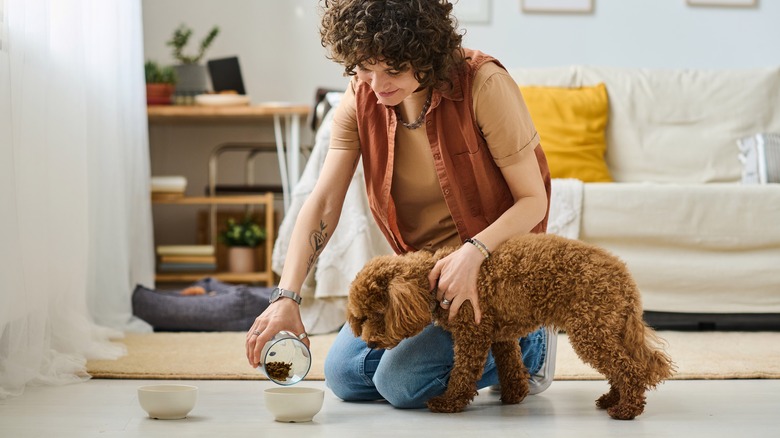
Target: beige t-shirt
pixel 423 217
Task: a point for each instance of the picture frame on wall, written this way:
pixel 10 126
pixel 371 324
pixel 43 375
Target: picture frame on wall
pixel 473 11
pixel 557 6
pixel 728 3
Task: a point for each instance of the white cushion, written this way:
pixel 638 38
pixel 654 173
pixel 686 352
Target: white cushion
pixel 760 158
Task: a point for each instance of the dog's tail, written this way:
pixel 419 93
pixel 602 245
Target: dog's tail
pixel 649 349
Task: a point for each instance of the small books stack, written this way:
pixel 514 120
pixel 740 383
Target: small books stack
pixel 186 258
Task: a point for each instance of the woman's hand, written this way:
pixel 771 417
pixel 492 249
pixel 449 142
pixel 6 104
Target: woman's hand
pixel 282 314
pixel 456 276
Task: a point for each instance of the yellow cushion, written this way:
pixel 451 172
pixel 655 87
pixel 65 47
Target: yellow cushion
pixel 571 123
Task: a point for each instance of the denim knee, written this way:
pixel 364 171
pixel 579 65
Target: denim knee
pixel 398 391
pixel 334 376
pixel 340 379
pixel 349 375
pixel 406 388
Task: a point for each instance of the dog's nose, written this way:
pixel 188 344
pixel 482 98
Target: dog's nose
pixel 371 345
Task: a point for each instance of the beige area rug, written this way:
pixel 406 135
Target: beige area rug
pixel 221 356
pixel 194 356
pixel 697 355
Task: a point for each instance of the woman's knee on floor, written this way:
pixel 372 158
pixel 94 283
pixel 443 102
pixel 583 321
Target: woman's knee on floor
pixel 346 381
pixel 402 392
pixel 338 378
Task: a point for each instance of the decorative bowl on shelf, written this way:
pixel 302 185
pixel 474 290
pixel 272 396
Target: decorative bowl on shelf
pixel 277 104
pixel 222 99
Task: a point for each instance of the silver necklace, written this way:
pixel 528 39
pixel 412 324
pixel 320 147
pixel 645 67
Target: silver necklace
pixel 417 123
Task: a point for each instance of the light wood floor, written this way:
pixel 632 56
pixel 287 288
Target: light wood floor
pixel 227 409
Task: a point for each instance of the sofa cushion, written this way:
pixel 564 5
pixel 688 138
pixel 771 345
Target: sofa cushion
pixel 571 123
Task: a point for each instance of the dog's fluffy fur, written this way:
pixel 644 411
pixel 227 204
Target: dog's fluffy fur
pixel 529 281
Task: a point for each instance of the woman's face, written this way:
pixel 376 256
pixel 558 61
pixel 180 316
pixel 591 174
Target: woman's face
pixel 390 86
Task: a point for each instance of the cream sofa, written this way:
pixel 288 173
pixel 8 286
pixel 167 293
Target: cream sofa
pixel 697 240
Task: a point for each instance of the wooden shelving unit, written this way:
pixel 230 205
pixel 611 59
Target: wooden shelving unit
pixel 265 275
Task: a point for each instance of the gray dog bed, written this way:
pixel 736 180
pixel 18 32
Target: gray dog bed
pixel 224 307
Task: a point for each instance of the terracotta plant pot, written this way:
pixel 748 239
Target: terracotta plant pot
pixel 241 259
pixel 159 94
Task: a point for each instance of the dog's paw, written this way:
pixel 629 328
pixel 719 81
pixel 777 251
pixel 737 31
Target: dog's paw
pixel 513 394
pixel 444 404
pixel 624 411
pixel 608 400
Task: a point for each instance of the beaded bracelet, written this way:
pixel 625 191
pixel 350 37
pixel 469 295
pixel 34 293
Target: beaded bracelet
pixel 480 246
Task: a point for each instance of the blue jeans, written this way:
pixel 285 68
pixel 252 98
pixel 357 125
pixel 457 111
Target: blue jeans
pixel 413 372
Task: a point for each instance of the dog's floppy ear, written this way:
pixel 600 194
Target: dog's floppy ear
pixel 355 323
pixel 367 291
pixel 389 295
pixel 408 310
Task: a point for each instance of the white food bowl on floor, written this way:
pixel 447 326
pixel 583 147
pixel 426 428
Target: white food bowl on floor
pixel 167 402
pixel 293 404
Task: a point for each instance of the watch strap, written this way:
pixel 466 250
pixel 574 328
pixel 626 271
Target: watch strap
pixel 279 292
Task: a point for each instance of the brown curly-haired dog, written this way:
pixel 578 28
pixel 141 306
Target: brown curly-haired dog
pixel 529 281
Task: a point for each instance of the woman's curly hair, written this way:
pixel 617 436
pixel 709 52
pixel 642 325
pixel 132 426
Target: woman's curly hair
pixel 416 34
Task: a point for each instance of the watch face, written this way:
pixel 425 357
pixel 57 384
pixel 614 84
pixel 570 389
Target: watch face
pixel 275 295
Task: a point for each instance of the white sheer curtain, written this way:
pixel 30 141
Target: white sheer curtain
pixel 75 220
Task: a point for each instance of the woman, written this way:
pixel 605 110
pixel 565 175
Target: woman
pixel 450 155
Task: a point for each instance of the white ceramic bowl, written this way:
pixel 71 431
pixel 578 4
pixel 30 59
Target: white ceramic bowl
pixel 294 404
pixel 167 402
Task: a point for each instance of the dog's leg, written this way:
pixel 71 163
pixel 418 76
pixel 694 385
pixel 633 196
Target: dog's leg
pixel 620 355
pixel 512 373
pixel 609 399
pixel 625 399
pixel 644 365
pixel 471 353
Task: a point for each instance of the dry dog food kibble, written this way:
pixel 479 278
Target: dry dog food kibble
pixel 278 370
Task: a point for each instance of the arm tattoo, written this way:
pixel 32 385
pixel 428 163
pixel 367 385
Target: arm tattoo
pixel 317 240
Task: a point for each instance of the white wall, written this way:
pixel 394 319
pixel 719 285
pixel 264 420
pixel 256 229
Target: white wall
pixel 633 33
pixel 278 44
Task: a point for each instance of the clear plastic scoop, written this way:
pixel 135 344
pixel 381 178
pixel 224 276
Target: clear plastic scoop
pixel 285 360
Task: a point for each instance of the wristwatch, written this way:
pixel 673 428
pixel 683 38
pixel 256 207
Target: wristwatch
pixel 278 292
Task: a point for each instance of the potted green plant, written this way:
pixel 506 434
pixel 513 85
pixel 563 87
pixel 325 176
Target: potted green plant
pixel 242 238
pixel 160 83
pixel 193 77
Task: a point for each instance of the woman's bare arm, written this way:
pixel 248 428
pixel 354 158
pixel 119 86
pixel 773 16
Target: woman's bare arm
pixel 313 228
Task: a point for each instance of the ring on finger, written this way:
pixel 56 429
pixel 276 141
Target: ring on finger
pixel 445 302
pixel 303 336
pixel 256 333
